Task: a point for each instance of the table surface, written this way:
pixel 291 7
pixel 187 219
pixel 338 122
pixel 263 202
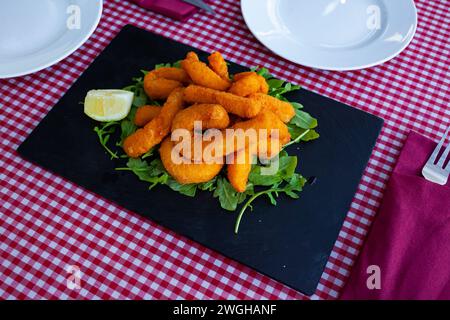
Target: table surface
pixel 48 224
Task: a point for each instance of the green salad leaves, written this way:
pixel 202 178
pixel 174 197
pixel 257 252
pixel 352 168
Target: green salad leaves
pixel 285 181
pixel 104 133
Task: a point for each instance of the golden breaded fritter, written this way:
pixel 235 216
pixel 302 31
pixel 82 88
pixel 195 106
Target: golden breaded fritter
pixel 246 86
pixel 263 85
pixel 203 75
pixel 187 173
pixel 266 120
pixel 283 109
pixel 145 114
pixel 210 116
pixel 239 170
pixel 154 132
pixel 218 64
pixel 240 106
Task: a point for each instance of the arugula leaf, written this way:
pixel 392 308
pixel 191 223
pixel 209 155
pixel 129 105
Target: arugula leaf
pixel 157 168
pixel 187 189
pixel 148 154
pixel 208 186
pixel 286 169
pixel 298 134
pixel 285 180
pixel 283 89
pixel 162 65
pixel 302 125
pixel 275 83
pixel 129 88
pixel 155 174
pixel 294 186
pixel 104 133
pixel 228 197
pixel 149 173
pixel 296 105
pixel 140 97
pixel 277 87
pixel 311 135
pixel 132 114
pixel 128 128
pixel 258 179
pixel 287 165
pixel 176 64
pixel 262 72
pixel 304 120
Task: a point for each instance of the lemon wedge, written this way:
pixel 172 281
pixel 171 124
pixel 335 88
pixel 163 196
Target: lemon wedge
pixel 108 105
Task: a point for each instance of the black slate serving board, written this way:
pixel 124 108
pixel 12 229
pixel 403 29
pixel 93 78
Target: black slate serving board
pixel 290 242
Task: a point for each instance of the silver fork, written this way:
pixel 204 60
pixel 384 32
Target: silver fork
pixel 434 170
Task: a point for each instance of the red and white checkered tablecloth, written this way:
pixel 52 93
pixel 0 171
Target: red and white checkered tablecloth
pixel 47 223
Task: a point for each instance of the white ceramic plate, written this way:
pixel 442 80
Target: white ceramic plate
pixel 35 34
pixel 333 34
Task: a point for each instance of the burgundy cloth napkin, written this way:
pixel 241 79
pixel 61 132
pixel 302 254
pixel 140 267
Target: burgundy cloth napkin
pixel 410 238
pixel 175 9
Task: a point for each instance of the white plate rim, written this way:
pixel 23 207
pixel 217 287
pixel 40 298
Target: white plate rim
pixel 356 67
pixel 64 54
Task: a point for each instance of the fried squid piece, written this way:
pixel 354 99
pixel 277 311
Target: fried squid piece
pixel 239 170
pixel 203 75
pixel 154 132
pixel 186 172
pixel 160 89
pixel 197 94
pixel 159 83
pixel 239 76
pixel 193 56
pixel 145 114
pixel 263 86
pixel 201 150
pixel 218 64
pixel 171 73
pixel 240 106
pixel 266 147
pixel 284 110
pixel 210 116
pixel 246 86
pixel 213 145
pixel 267 121
pixel 240 165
